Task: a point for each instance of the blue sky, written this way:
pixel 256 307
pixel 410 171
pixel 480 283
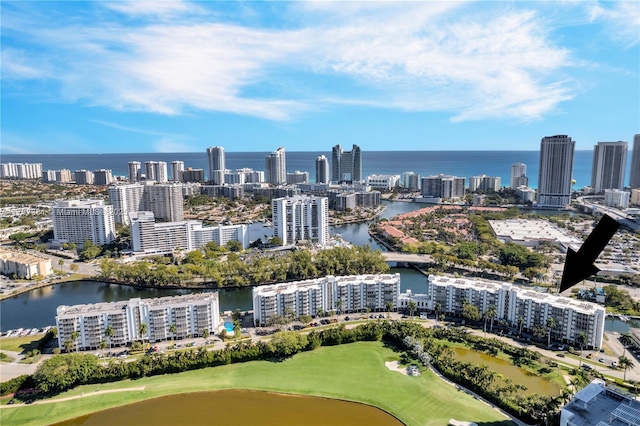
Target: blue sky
pixel 144 76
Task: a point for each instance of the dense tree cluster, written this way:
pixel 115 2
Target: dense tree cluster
pixel 208 268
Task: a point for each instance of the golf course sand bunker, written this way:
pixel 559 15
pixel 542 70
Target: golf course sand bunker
pixel 396 366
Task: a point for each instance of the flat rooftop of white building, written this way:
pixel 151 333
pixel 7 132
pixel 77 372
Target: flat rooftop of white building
pixel 528 230
pixel 21 257
pixel 524 293
pixel 291 287
pixel 598 404
pixel 64 310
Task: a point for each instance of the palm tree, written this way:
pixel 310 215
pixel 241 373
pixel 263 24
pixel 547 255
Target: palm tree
pixel 319 312
pixel 339 304
pixel 142 330
pixel 103 346
pixel 367 311
pixel 412 308
pixel 581 339
pixel 389 307
pixel 626 364
pixel 520 324
pixel 109 333
pixel 237 329
pixel 172 329
pixel 74 338
pixel 551 324
pixel 438 308
pixel 625 340
pixel 68 344
pixel 492 313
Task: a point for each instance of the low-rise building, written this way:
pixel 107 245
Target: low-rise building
pixel 598 405
pixel 24 265
pixel 192 314
pixel 529 233
pixel 635 197
pixel 616 198
pixel 354 293
pixel 384 182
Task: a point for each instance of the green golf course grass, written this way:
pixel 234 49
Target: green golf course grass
pixel 354 372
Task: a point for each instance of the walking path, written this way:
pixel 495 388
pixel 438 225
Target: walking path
pixel 69 398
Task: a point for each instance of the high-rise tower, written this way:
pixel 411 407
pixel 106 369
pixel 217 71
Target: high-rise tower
pixel 276 167
pixel 177 167
pixel 134 171
pixel 346 166
pixel 216 161
pixel 518 175
pixel 555 171
pixel 322 169
pixel 634 182
pixel 609 166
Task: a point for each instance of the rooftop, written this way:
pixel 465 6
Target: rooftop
pixel 598 404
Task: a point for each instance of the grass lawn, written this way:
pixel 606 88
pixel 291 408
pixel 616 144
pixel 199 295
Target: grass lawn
pixel 353 372
pixel 20 344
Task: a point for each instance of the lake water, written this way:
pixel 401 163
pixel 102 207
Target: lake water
pixel 238 407
pixel 535 384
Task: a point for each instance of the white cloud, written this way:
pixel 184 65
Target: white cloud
pixel 422 56
pixel 171 145
pixel 16 65
pixel 622 20
pixel 164 9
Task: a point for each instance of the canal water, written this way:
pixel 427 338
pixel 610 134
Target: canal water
pixel 37 308
pixel 238 407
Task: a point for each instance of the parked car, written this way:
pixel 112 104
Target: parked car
pixel 601 360
pixel 561 355
pixel 614 364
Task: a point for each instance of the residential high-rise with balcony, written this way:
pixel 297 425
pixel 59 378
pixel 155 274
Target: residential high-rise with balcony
pixel 443 186
pixel 555 171
pixel 322 169
pixel 301 218
pixel 216 164
pixel 518 175
pixel 83 177
pixel 165 201
pixel 133 169
pixel 21 170
pixel 634 181
pixel 75 221
pixel 156 170
pixel 177 167
pixel 192 314
pixel 609 166
pixel 484 183
pixel 126 199
pixel 102 177
pixel 353 293
pixel 276 167
pixel 346 166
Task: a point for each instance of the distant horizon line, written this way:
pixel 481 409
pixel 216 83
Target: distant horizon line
pixel 260 152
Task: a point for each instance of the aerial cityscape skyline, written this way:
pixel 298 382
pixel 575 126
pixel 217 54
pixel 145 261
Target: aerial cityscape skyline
pixel 414 76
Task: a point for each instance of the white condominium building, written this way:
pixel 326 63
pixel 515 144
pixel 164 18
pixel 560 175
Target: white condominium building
pixel 133 170
pixel 21 170
pixel 216 164
pixel 386 182
pixel 177 167
pixel 322 169
pixel 353 293
pixel 24 265
pixel 76 221
pixel 166 237
pixel 518 175
pixel 191 314
pixel 484 183
pixel 102 177
pixel 555 171
pixel 297 177
pixel 165 201
pixel 126 199
pixel 157 171
pixel 346 166
pixel 301 218
pixel 83 177
pixel 634 178
pixel 516 304
pixel 276 167
pixel 443 186
pixel 616 198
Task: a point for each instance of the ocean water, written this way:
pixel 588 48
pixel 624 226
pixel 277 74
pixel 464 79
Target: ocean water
pixel 458 163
